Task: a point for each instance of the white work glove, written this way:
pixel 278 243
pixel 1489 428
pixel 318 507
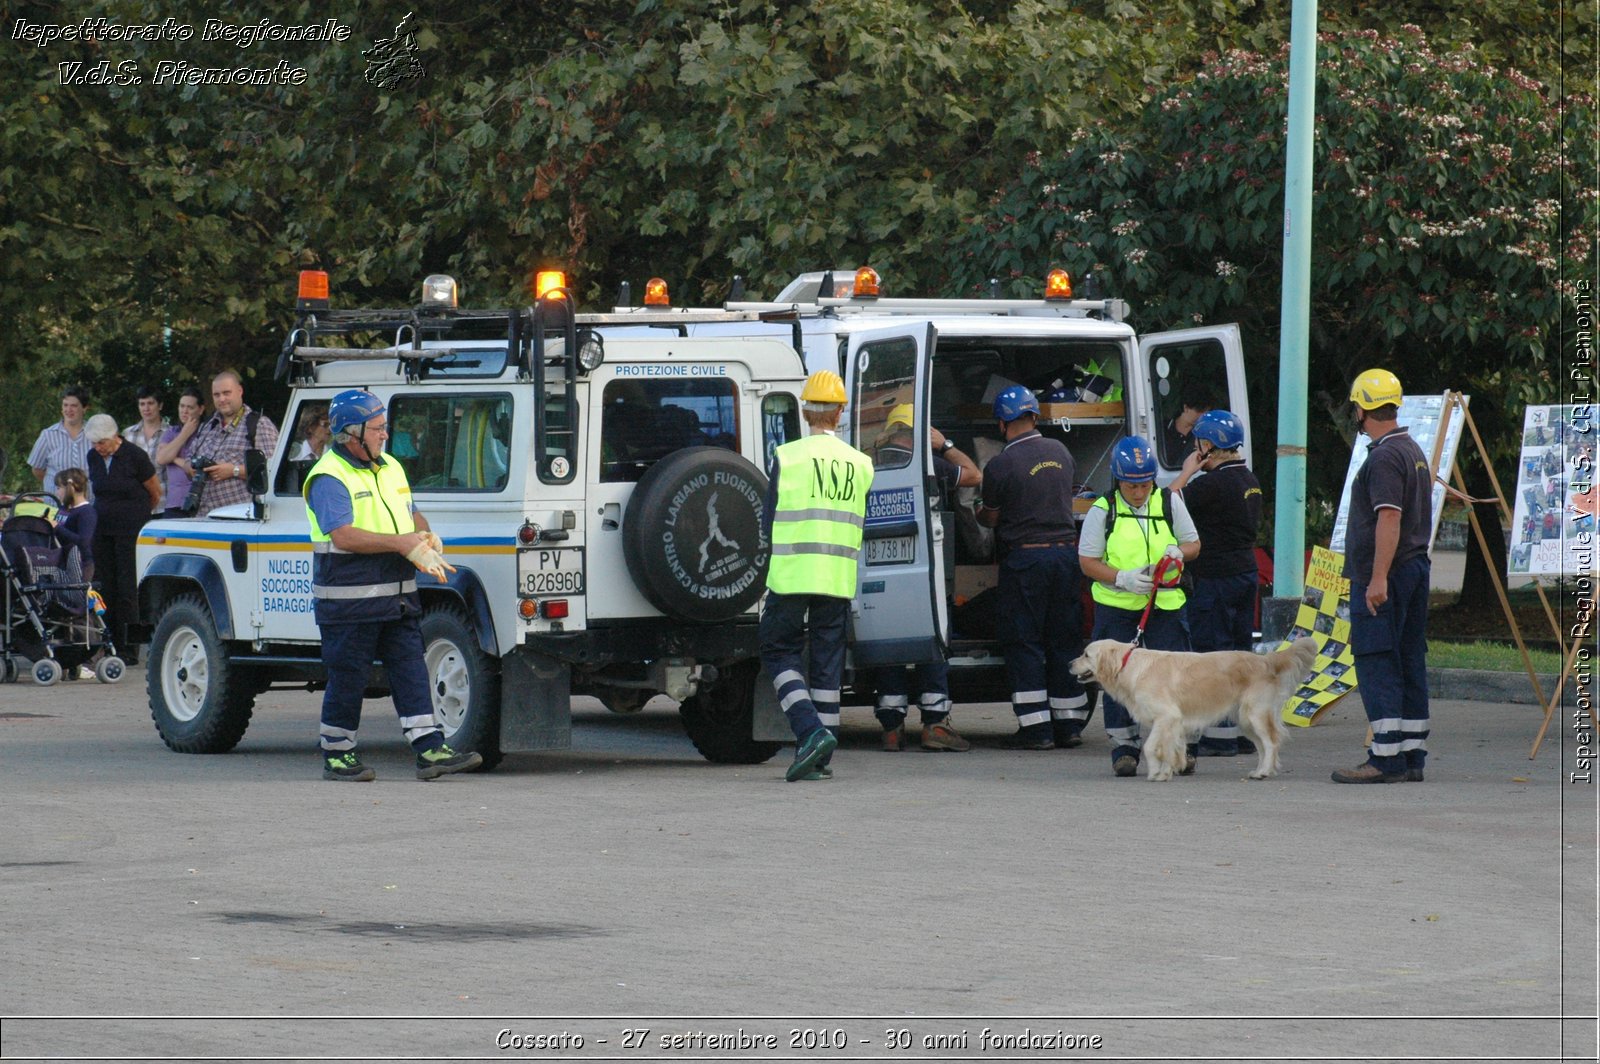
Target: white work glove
pixel 434 541
pixel 1173 552
pixel 1137 581
pixel 428 560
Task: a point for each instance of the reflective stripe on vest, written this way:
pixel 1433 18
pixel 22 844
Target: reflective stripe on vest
pixel 349 586
pixel 1128 548
pixel 817 522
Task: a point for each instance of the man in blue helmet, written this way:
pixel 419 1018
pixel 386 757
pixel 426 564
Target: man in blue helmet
pixel 368 541
pixel 1125 535
pixel 1224 498
pixel 1027 499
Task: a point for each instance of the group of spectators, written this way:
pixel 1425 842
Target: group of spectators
pixel 109 483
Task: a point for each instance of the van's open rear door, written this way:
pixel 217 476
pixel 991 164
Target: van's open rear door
pixel 1205 364
pixel 900 613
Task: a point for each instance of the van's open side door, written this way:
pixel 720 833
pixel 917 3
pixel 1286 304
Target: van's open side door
pixel 900 613
pixel 1186 364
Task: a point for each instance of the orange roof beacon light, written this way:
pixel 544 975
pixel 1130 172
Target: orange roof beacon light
pixel 866 284
pixel 547 281
pixel 313 290
pixel 1058 285
pixel 655 293
pixel 440 290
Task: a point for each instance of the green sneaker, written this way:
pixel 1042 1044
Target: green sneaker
pixel 348 767
pixel 441 761
pixel 812 752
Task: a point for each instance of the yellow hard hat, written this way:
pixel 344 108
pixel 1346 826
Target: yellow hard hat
pixel 901 415
pixel 823 386
pixel 1375 388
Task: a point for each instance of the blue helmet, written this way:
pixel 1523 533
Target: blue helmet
pixel 352 407
pixel 1133 460
pixel 1220 429
pixel 1014 402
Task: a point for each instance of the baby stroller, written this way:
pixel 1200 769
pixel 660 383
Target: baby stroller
pixel 52 619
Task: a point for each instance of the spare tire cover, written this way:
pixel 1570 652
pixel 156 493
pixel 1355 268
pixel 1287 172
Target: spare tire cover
pixel 692 534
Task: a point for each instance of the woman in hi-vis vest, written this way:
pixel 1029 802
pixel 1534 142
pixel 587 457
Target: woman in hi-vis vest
pixel 1119 550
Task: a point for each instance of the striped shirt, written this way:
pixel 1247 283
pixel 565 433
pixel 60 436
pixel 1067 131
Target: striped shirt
pixel 56 449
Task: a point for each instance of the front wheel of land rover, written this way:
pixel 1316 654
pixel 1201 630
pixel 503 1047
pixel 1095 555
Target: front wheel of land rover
pixel 198 700
pixel 719 719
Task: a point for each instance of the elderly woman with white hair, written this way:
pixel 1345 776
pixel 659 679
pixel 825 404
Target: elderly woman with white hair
pixel 126 490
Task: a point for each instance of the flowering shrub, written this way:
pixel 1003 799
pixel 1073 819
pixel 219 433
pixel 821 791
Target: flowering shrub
pixel 1449 224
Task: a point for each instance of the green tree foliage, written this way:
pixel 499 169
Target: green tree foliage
pixel 617 140
pixel 1449 224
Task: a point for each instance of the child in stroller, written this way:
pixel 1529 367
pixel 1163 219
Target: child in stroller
pixel 52 619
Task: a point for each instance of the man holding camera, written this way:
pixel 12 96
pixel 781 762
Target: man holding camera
pixel 223 440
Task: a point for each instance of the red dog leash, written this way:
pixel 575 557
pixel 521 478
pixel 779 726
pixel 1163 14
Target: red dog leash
pixel 1138 637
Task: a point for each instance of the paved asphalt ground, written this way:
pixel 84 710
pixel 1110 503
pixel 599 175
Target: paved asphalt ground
pixel 165 906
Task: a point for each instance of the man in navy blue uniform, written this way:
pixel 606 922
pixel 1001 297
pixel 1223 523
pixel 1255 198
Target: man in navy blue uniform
pixel 367 542
pixel 1027 499
pixel 1224 500
pixel 1386 561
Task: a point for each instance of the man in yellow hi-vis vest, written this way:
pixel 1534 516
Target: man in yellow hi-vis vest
pixel 818 506
pixel 368 542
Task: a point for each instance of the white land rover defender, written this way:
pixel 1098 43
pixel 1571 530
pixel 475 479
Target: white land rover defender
pixel 601 499
pixel 599 483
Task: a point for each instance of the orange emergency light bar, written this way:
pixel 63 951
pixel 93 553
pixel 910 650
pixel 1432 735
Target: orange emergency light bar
pixel 1058 285
pixel 313 293
pixel 655 293
pixel 546 281
pixel 866 284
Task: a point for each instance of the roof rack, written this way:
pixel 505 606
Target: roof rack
pixel 1108 309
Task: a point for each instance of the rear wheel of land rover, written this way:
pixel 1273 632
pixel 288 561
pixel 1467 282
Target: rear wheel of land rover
pixel 719 719
pixel 464 683
pixel 200 702
pixel 692 535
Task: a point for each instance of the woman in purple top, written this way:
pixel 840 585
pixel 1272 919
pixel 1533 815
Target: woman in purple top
pixel 177 447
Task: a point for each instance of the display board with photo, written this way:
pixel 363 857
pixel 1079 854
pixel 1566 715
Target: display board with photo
pixel 1553 514
pixel 1420 415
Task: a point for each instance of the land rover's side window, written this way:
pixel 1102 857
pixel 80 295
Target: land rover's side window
pixel 780 424
pixel 451 443
pixel 306 441
pixel 1186 380
pixel 643 421
pixel 885 402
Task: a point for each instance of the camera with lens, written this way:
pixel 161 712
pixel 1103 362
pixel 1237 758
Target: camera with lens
pixel 197 483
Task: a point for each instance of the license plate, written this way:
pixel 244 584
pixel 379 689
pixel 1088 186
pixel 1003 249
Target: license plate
pixel 892 550
pixel 557 571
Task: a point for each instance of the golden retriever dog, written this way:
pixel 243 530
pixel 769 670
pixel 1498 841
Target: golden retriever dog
pixel 1173 695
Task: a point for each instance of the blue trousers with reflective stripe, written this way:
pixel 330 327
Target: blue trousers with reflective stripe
pixel 932 683
pixel 1166 630
pixel 1222 616
pixel 1391 652
pixel 1041 632
pixel 790 626
pixel 348 651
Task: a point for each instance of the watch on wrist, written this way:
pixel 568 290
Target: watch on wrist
pixel 947 445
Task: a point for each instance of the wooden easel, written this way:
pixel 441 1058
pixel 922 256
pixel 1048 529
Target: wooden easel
pixel 1454 401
